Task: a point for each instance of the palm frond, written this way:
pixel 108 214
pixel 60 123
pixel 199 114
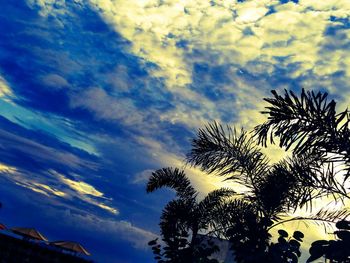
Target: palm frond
pixel 225 151
pixel 176 218
pixel 235 212
pixel 302 122
pixel 275 192
pixel 332 215
pixel 323 217
pixel 316 178
pixel 207 206
pixel 172 178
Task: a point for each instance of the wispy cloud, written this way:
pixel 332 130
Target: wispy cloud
pixel 57 187
pixel 11 143
pixel 5 90
pixel 96 99
pixel 7 169
pixel 137 236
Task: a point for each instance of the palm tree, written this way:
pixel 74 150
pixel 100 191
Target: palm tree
pixel 319 138
pixel 271 191
pixel 184 218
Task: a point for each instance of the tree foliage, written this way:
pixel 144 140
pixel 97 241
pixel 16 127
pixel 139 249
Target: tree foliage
pixel 335 250
pixel 320 141
pixel 308 122
pixel 272 190
pixel 287 249
pixel 183 218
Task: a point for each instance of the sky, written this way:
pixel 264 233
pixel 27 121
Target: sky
pixel 97 94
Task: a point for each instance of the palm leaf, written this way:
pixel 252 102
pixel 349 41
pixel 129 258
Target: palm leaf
pixel 302 122
pixel 276 192
pixel 305 123
pixel 224 151
pixel 208 205
pixel 175 219
pixel 231 213
pixel 174 179
pixel 323 217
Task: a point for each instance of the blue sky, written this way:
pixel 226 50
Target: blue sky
pixel 96 94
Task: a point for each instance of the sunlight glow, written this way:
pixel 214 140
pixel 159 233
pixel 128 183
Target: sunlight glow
pixel 7 169
pixel 50 189
pixel 82 187
pixel 5 90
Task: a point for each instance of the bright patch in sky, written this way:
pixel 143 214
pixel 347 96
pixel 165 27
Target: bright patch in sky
pixel 5 90
pixel 94 95
pixel 6 169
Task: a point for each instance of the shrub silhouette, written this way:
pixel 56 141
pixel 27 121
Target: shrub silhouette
pixel 286 249
pixel 335 250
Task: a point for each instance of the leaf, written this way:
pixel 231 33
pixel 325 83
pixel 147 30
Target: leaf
pixel 282 233
pixel 343 235
pixel 294 243
pixel 292 257
pixel 172 178
pixel 212 200
pixel 298 235
pixel 282 240
pixel 343 224
pixel 225 151
pixel 266 221
pixel 320 243
pixel 316 251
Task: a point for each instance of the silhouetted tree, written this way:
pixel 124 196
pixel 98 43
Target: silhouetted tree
pixel 183 218
pixel 310 123
pixel 319 139
pixel 271 190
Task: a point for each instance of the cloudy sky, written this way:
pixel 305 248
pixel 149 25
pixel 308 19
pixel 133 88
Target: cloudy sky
pixel 96 94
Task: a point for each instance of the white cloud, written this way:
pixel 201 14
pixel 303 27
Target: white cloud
pixel 5 90
pixel 81 187
pixel 55 81
pixel 7 169
pixel 137 236
pixel 106 107
pixel 120 79
pixel 241 34
pixel 249 15
pixel 219 29
pixel 50 7
pixel 140 178
pixel 49 189
pixel 254 37
pixel 41 151
pixel 57 187
pixel 84 191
